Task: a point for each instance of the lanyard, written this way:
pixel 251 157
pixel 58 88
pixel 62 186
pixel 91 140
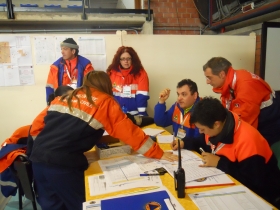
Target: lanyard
pixel 214 151
pixel 182 121
pixel 228 102
pixel 68 74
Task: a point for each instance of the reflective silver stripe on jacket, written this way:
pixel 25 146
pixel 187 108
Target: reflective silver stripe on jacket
pixel 146 146
pixel 123 95
pixel 145 93
pixel 79 114
pixel 269 101
pixel 50 85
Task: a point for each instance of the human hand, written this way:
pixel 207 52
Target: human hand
pixel 164 95
pixel 169 156
pixel 174 145
pixel 209 160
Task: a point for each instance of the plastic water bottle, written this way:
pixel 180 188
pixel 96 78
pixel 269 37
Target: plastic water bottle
pixel 124 109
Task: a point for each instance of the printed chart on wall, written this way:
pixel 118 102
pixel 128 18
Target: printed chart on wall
pixel 47 49
pixel 93 48
pixel 16 67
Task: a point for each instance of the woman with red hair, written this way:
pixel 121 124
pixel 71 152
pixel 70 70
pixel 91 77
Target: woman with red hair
pixel 130 81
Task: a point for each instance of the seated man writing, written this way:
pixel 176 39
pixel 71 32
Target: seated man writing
pixel 236 148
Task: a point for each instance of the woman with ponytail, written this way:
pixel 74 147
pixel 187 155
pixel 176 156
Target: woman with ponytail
pixel 73 125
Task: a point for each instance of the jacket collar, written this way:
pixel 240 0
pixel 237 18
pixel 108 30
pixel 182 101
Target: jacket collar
pixel 227 84
pixel 227 133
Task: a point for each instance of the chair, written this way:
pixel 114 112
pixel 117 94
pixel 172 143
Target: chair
pixel 52 5
pixel 74 6
pixel 22 170
pixel 28 5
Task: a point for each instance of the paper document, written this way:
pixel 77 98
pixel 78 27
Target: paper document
pixel 122 171
pixel 99 185
pixel 193 171
pixel 217 180
pixel 165 139
pixel 152 131
pixel 230 198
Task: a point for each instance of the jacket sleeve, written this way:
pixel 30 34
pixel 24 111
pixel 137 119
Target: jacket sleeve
pixel 142 93
pixel 116 123
pixel 248 101
pixel 162 117
pixel 52 81
pixel 38 124
pixel 88 68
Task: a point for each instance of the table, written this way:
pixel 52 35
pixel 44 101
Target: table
pixel 166 179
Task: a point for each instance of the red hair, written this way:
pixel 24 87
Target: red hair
pixel 135 61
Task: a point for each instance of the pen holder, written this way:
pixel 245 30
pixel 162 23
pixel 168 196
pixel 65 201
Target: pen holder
pixel 113 151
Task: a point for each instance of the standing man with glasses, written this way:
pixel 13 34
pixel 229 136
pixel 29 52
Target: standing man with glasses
pixel 69 69
pixel 130 81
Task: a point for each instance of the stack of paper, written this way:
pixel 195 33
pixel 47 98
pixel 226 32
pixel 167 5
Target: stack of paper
pixel 123 173
pixel 152 131
pixel 164 139
pixel 230 198
pixel 197 176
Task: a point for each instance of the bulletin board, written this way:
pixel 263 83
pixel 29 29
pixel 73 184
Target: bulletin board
pixel 167 59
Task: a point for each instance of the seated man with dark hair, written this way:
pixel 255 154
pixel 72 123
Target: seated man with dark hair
pixel 236 148
pixel 179 113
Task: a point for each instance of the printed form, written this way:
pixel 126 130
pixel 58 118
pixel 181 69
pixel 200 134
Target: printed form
pixel 230 198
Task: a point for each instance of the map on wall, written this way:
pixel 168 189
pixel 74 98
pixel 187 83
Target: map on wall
pixel 16 67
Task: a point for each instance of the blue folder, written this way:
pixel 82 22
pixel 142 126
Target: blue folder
pixel 152 201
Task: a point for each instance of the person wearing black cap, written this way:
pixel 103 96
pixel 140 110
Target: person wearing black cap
pixel 69 69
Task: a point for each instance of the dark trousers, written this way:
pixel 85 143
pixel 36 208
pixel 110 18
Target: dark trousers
pixel 59 188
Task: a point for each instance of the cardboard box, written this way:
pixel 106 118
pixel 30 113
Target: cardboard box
pixel 113 152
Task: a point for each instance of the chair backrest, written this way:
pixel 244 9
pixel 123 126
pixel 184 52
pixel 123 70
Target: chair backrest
pixel 28 5
pixel 53 5
pixel 24 173
pixel 74 6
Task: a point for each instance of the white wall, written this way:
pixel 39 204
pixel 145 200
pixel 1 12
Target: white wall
pixel 272 61
pixel 167 59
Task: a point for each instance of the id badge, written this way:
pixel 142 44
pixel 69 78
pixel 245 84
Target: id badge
pixel 181 133
pixel 127 91
pixel 73 85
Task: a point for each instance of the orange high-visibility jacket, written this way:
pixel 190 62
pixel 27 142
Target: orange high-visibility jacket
pixel 68 134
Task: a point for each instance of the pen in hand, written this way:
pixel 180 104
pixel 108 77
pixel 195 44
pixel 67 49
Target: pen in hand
pixel 201 150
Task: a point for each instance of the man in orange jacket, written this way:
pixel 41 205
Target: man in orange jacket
pixel 69 69
pixel 235 147
pixel 247 95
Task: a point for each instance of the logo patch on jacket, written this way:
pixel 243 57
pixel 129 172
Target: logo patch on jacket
pixel 236 105
pixel 175 118
pixel 114 85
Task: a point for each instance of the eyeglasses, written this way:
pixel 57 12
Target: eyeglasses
pixel 125 59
